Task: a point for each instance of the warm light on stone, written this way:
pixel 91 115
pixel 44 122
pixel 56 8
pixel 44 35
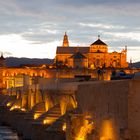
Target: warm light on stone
pixel 84 130
pixel 36 116
pixel 64 127
pixel 15 107
pixel 93 56
pixel 8 104
pixel 48 121
pixel 82 125
pixel 23 109
pixel 108 131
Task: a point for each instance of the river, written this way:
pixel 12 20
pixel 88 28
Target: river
pixel 6 133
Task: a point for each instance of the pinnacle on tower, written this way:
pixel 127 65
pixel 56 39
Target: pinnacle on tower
pixel 65 41
pixel 126 48
pixel 2 57
pixel 98 36
pixel 2 61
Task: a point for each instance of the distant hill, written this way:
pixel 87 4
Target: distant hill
pixel 136 65
pixel 16 62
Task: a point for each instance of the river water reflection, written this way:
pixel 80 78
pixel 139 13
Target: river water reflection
pixel 6 133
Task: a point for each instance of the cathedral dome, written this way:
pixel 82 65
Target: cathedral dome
pixel 98 46
pixel 98 42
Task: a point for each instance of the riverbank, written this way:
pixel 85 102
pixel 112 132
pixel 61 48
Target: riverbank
pixel 24 123
pixel 6 133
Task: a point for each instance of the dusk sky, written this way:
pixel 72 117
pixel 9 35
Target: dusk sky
pixel 34 28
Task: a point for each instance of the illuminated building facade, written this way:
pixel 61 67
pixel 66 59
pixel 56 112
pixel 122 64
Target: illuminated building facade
pixel 94 56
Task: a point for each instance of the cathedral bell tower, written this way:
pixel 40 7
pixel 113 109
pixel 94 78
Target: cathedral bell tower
pixel 65 41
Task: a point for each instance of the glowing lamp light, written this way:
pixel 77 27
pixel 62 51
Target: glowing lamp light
pixel 36 116
pixel 79 138
pixel 64 127
pixel 48 121
pixel 45 121
pixel 15 107
pixel 8 104
pixel 23 109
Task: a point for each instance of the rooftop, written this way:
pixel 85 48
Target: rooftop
pixel 78 55
pixel 99 42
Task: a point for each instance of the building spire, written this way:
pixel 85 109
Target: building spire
pixel 130 60
pixel 2 60
pixel 1 57
pixel 65 41
pixel 125 47
pixel 98 36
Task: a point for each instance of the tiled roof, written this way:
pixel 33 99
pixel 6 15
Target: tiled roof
pixel 78 55
pixel 72 50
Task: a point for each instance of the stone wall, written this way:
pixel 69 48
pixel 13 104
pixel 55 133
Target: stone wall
pixel 134 109
pixel 105 101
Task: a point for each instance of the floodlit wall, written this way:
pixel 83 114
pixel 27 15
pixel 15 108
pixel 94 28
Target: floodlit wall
pixel 106 102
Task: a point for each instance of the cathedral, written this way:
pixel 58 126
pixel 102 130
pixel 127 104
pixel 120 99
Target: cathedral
pixel 93 56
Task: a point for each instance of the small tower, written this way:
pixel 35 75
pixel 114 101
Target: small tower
pixel 126 48
pixel 98 37
pixel 65 41
pixel 2 61
pixel 130 64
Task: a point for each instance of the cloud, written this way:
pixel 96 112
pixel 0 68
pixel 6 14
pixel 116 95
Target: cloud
pixel 101 26
pixel 127 35
pixel 43 22
pixel 17 46
pixel 93 2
